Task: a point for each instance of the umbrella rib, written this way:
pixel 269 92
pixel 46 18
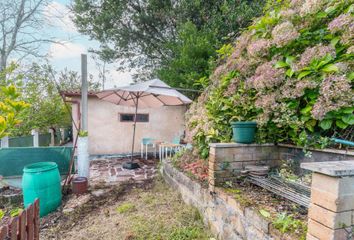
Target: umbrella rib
pixel 108 94
pixel 120 97
pixel 157 97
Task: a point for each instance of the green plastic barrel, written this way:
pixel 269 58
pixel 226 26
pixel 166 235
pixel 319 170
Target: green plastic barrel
pixel 42 180
pixel 244 132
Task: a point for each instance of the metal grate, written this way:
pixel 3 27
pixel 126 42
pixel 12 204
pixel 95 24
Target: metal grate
pixel 292 191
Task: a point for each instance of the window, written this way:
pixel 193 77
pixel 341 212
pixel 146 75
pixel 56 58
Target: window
pixel 129 117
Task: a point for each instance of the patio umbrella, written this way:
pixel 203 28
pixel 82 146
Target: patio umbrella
pixel 149 94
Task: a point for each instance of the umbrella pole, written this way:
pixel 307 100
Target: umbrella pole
pixel 131 164
pixel 136 113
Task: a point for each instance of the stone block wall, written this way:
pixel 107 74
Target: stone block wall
pixel 226 160
pixel 331 212
pixel 225 216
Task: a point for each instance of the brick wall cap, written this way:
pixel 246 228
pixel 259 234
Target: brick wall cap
pixel 335 168
pixel 348 152
pixel 238 145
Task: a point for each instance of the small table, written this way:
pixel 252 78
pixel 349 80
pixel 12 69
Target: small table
pixel 165 147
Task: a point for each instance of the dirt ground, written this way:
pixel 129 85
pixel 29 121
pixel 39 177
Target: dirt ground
pixel 149 210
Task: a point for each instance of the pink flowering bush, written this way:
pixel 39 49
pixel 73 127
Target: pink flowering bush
pixel 267 76
pixel 292 71
pixel 284 33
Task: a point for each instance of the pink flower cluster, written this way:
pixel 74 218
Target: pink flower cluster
pixel 287 13
pixel 317 52
pixel 258 48
pixel 340 23
pixel 335 92
pixel 294 88
pixel 284 33
pixel 267 76
pixel 241 44
pixel 267 103
pixel 348 35
pixel 311 6
pixel 231 89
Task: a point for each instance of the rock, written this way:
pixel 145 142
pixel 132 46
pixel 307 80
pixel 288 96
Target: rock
pixel 99 192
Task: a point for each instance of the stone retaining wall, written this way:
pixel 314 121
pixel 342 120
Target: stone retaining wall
pixel 226 217
pixel 226 160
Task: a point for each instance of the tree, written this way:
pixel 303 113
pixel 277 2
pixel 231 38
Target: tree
pixel 143 34
pixel 191 62
pixel 101 66
pixel 10 106
pixel 40 88
pixel 21 22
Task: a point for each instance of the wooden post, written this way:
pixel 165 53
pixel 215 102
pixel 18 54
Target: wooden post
pixel 52 139
pixel 35 134
pixel 5 142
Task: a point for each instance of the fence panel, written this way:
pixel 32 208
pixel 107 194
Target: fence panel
pixel 44 139
pixel 13 160
pixel 24 141
pixel 23 227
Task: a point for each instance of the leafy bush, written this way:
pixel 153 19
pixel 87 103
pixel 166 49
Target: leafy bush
pixel 10 104
pixel 292 71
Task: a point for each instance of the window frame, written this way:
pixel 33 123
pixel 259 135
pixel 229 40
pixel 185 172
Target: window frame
pixel 120 116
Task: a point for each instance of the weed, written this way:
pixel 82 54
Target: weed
pixel 126 207
pixel 2 214
pixel 186 233
pixel 237 194
pixel 286 223
pixel 15 212
pixel 264 213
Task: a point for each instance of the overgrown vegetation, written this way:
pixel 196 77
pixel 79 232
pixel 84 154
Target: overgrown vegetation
pixel 11 106
pixel 285 223
pixel 38 86
pixel 175 41
pixel 126 207
pixel 291 71
pixel 147 211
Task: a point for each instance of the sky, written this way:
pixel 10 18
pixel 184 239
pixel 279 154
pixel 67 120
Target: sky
pixel 68 54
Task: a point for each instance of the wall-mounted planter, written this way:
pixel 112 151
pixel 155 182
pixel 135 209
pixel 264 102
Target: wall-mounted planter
pixel 243 132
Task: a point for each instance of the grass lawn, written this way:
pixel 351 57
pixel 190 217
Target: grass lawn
pixel 147 211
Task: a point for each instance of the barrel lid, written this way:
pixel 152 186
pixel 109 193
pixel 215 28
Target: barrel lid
pixel 40 167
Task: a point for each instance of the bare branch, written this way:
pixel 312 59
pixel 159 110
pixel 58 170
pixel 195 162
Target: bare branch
pixel 21 22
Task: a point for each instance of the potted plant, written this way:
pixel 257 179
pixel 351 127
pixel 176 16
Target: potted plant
pixel 244 131
pixel 243 124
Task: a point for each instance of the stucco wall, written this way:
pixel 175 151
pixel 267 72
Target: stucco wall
pixel 107 135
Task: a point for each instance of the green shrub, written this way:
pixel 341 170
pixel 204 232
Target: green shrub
pixel 292 71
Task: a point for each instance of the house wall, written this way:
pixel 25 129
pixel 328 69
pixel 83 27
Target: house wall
pixel 107 135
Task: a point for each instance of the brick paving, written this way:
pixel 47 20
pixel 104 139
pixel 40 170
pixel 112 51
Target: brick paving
pixel 110 171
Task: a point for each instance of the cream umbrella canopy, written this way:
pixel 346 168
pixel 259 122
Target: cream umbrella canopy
pixel 149 94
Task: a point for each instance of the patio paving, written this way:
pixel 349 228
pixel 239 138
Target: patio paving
pixel 111 172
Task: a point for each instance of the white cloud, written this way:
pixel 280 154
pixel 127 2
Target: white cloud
pixel 66 50
pixel 59 16
pixel 119 79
